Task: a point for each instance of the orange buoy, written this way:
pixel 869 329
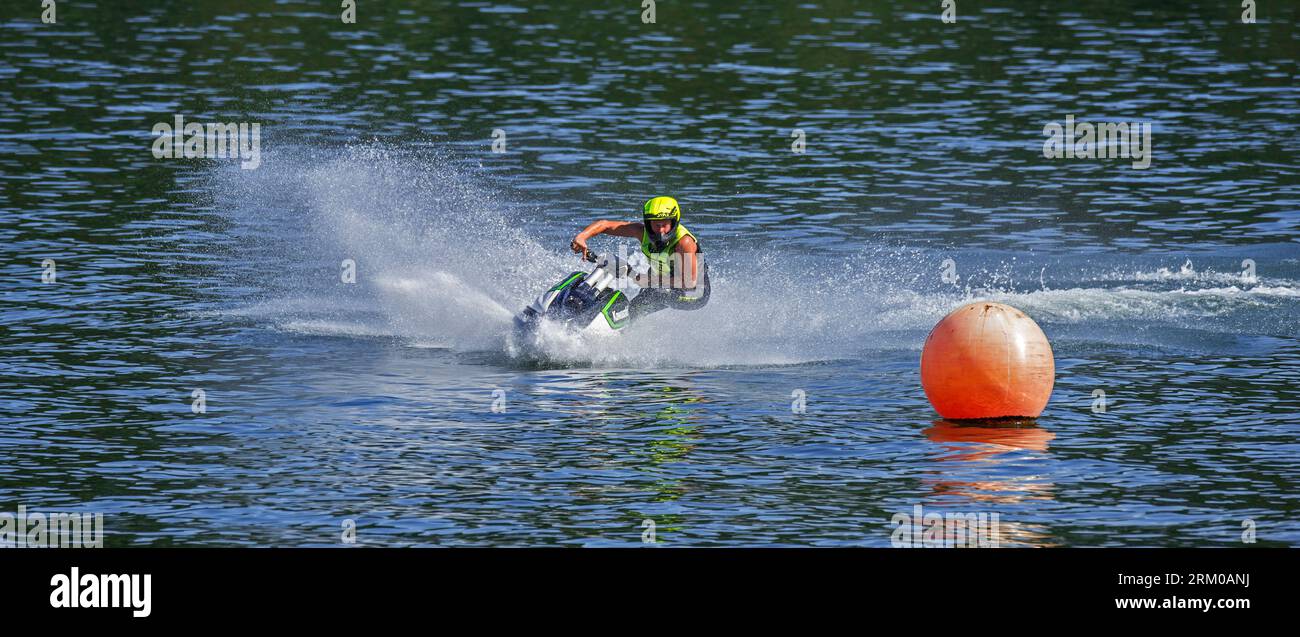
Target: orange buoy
pixel 987 360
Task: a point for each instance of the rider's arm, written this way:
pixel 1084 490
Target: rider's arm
pixel 688 249
pixel 617 228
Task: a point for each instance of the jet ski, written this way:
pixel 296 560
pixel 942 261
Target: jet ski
pixel 584 302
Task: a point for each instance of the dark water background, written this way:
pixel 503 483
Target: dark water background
pixel 373 401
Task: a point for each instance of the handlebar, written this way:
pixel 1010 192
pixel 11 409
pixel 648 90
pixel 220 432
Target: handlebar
pixel 587 254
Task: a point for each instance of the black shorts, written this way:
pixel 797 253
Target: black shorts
pixel 650 300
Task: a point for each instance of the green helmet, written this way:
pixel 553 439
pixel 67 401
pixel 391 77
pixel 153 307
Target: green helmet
pixel 660 208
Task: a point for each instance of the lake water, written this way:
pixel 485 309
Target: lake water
pixel 395 402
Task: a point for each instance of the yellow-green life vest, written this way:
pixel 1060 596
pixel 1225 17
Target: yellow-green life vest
pixel 661 262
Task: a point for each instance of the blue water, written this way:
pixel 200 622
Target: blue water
pixel 395 401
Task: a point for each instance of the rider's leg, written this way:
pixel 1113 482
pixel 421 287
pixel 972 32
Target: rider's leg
pixel 693 299
pixel 648 301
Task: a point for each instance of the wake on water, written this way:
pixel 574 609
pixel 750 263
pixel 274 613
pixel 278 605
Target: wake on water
pixel 442 261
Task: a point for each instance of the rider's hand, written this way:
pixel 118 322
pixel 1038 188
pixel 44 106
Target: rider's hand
pixel 579 246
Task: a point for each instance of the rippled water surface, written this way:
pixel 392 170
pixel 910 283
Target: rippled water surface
pixel 374 401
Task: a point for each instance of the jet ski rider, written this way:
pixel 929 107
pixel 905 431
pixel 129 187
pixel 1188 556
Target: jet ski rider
pixel 678 277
